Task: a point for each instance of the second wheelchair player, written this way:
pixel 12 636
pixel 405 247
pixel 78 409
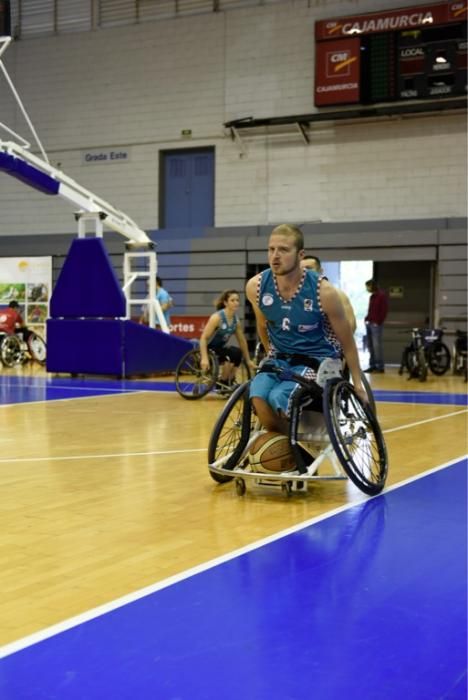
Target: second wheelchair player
pixel 221 326
pixel 301 322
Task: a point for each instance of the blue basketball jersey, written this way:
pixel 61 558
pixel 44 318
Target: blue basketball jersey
pixel 224 331
pixel 297 326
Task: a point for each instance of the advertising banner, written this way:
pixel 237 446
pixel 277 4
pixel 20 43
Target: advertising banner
pixel 393 20
pixel 29 282
pixel 190 327
pixel 337 71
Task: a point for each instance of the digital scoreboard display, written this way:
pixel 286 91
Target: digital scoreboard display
pixel 406 54
pixel 5 18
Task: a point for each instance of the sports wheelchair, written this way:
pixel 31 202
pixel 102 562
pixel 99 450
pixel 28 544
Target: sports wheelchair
pixel 14 350
pixel 193 383
pixel 325 423
pixel 460 354
pixel 426 351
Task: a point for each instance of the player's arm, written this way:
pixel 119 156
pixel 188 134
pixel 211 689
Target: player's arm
pixel 239 333
pixel 333 307
pixel 208 332
pixel 251 292
pixel 348 309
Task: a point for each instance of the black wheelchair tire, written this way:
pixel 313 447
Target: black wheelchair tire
pixel 191 383
pixel 416 364
pixel 438 358
pixel 231 432
pixel 341 406
pixel 10 350
pixel 370 395
pixel 37 348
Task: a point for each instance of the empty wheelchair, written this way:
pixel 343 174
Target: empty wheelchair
pixel 330 423
pixel 192 382
pixel 14 350
pixel 426 351
pixel 460 354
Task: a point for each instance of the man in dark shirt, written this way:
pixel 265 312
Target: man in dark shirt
pixel 376 315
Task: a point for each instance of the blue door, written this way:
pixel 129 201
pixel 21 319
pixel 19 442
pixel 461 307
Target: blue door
pixel 188 188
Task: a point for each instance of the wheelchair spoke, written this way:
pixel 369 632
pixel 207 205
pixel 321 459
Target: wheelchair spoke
pixel 356 438
pixel 231 433
pixel 192 382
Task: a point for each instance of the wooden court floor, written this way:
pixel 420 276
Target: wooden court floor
pixel 104 495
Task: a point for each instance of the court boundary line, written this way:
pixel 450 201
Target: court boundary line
pixel 155 453
pixel 426 420
pixel 82 618
pixel 129 392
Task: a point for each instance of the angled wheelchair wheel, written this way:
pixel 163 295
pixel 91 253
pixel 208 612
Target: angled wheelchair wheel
pixel 10 350
pixel 37 348
pixel 231 432
pixel 356 437
pixel 369 393
pixel 190 380
pixel 438 358
pixel 416 364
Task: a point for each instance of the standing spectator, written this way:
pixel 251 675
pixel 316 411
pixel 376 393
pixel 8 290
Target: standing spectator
pixel 165 302
pixel 376 315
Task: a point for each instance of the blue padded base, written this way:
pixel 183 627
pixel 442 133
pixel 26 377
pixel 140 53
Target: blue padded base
pixel 110 347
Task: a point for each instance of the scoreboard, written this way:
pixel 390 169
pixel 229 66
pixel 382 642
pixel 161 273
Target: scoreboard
pixel 405 54
pixel 4 18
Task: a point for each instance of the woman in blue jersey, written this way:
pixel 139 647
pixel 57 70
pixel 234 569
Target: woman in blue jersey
pixel 300 322
pixel 221 326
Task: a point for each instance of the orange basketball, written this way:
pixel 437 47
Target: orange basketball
pixel 271 452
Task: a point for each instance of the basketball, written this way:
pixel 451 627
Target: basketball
pixel 271 452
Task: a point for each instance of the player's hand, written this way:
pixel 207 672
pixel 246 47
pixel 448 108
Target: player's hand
pixel 361 392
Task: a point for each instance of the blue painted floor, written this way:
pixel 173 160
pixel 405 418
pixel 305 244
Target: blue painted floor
pixel 369 603
pixel 24 389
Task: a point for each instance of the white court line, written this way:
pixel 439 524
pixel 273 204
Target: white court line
pixel 80 398
pixel 117 455
pixel 60 627
pixel 426 420
pixel 114 455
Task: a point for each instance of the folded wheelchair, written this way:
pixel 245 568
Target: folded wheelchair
pixel 329 425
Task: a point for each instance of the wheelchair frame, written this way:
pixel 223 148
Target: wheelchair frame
pixel 350 439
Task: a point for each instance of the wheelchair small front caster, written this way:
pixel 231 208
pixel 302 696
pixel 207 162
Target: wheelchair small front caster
pixel 240 487
pixel 286 488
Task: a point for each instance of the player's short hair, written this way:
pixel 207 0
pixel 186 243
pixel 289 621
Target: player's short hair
pixel 291 231
pixel 314 258
pixel 13 304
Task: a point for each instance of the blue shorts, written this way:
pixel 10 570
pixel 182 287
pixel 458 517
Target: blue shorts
pixel 278 393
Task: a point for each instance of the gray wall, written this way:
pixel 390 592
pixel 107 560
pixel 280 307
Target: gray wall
pixel 196 267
